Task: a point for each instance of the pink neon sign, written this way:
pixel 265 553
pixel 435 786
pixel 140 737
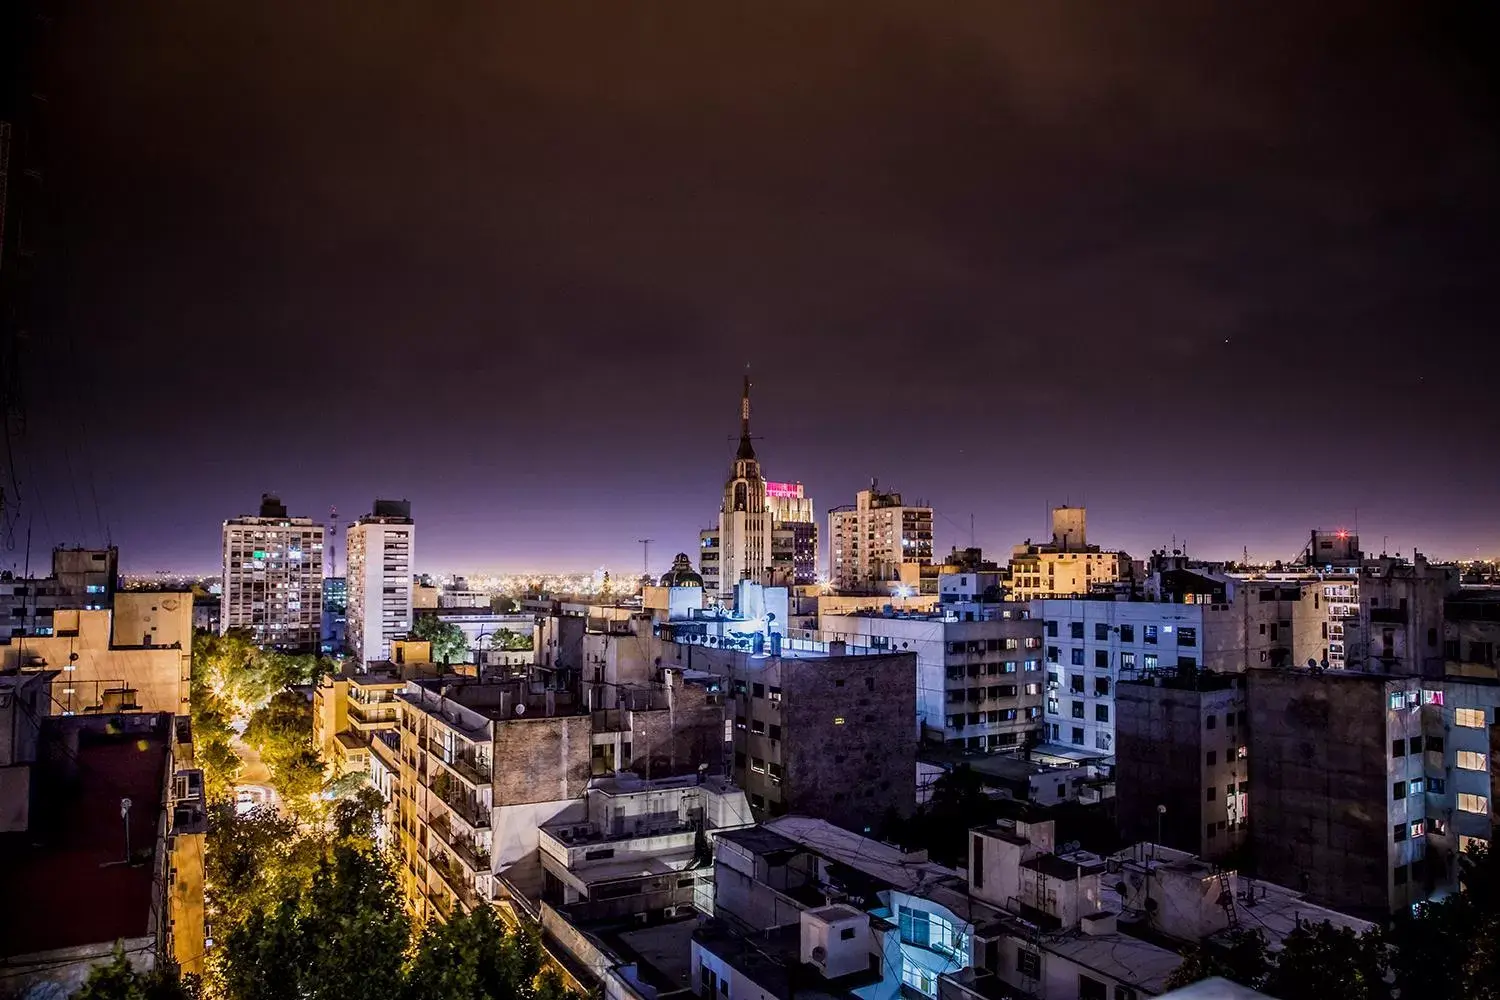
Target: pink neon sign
pixel 793 490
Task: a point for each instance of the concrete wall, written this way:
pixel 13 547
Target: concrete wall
pixel 159 676
pixel 1321 772
pixel 679 738
pixel 1162 758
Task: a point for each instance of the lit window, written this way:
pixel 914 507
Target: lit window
pixel 1471 761
pixel 1469 718
pixel 1473 803
pixel 918 977
pixel 838 720
pixel 1398 700
pixel 1464 841
pixel 1432 697
pixel 1418 828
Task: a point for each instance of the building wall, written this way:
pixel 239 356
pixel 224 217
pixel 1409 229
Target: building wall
pixel 152 618
pixel 679 738
pixel 1167 754
pixel 1321 782
pixel 92 675
pixel 1000 660
pixel 541 759
pixel 870 541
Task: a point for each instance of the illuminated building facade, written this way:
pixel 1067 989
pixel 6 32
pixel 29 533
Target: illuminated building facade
pixel 380 558
pixel 1067 567
pixel 871 541
pixel 741 548
pixel 273 578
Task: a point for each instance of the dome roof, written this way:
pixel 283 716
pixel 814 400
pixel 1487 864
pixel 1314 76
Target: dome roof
pixel 681 574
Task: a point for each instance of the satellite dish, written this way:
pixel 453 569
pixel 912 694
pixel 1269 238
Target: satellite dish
pixel 521 709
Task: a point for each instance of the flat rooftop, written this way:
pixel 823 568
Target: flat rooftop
pixel 880 861
pixel 67 882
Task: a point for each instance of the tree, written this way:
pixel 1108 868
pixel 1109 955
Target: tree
pixel 1244 962
pixel 1318 961
pixel 344 934
pixel 1450 949
pixel 472 955
pixel 449 644
pixel 502 605
pixel 119 980
pixel 510 641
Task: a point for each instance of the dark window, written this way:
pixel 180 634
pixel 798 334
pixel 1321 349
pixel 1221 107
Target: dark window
pixel 1213 758
pixel 1101 631
pixel 1398 748
pixel 1208 793
pixel 846 934
pixel 1101 658
pixel 1435 744
pixel 1101 685
pixel 600 854
pixel 1077 736
pixel 1077 657
pixel 1213 721
pixel 1400 874
pixel 1077 709
pixel 1398 832
pixel 1075 684
pixel 757 690
pixel 1187 637
pixel 1075 629
pixel 1398 790
pixel 1150 637
pixel 1101 713
pixel 1416 744
pixel 1127 633
pixel 1052 630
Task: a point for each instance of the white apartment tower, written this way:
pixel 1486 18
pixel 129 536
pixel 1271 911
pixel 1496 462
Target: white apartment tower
pixel 744 520
pixel 273 578
pixel 380 559
pixel 871 541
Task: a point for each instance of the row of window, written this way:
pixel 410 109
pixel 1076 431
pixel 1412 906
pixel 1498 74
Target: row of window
pixel 1187 635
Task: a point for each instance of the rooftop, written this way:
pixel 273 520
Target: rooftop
pixel 67 881
pixel 773 962
pixel 1066 867
pixel 907 872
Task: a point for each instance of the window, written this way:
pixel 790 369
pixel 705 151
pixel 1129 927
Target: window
pixel 1213 758
pixel 1150 661
pixel 1464 841
pixel 1090 988
pixel 1075 629
pixel 1075 684
pixel 1187 636
pixel 1437 786
pixel 1077 709
pixel 1150 635
pixel 1432 697
pixel 1101 659
pixel 1127 633
pixel 1398 700
pixel 1415 744
pixel 1398 790
pixel 1398 832
pixel 1101 685
pixel 1101 713
pixel 1398 748
pixel 1414 786
pixel 918 977
pixel 1052 630
pixel 1473 803
pixel 1469 718
pixel 1418 828
pixel 1077 739
pixel 1077 657
pixel 1213 722
pixel 1127 661
pixel 757 765
pixel 1033 689
pixel 775 732
pixel 1210 793
pixel 1471 761
pixel 1101 631
pixel 1401 874
pixel 1434 744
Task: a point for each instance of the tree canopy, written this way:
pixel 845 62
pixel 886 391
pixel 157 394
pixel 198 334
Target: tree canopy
pixel 510 640
pixel 449 644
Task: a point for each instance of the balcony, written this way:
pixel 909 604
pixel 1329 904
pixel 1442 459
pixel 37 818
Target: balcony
pixel 472 812
pixel 1387 616
pixel 476 859
pixel 373 715
pixel 470 767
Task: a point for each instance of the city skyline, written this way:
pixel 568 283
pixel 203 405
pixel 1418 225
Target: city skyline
pixel 1218 279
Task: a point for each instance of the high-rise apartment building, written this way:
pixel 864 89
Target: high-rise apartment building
pixel 379 581
pixel 273 578
pixel 879 543
pixel 794 535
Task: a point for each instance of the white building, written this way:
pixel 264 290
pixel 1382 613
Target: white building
pixel 979 680
pixel 878 543
pixel 380 559
pixel 273 578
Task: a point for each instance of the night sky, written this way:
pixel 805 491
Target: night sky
pixel 1224 271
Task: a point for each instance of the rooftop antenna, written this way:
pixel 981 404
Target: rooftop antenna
pixel 645 555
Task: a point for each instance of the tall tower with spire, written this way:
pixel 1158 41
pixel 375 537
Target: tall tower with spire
pixel 744 521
